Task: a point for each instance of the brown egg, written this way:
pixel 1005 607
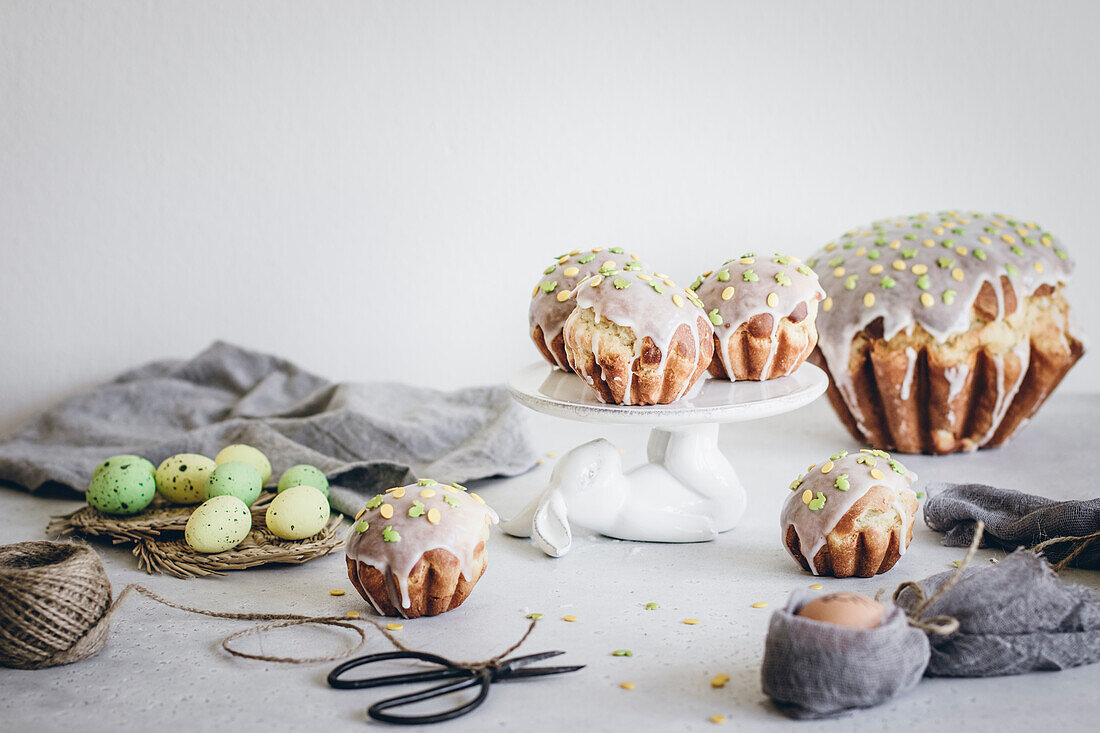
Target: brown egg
pixel 845 609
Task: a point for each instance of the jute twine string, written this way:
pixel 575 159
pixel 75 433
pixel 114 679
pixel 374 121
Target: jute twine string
pixel 1080 544
pixel 55 608
pixel 939 625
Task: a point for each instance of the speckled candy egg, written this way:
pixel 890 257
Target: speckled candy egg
pixel 126 488
pixel 124 460
pixel 235 478
pixel 218 524
pixel 297 513
pixel 248 454
pixel 181 479
pixel 303 475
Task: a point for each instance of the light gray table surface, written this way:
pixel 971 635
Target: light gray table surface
pixel 164 669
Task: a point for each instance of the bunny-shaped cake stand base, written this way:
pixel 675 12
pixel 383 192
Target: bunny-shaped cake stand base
pixel 687 492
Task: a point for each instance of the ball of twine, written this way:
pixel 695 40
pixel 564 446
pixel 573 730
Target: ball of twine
pixel 54 604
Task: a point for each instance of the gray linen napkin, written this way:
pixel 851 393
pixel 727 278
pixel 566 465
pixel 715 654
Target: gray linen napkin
pixel 365 437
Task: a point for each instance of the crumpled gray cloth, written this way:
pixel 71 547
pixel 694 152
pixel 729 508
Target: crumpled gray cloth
pixel 1012 518
pixel 365 437
pixel 814 669
pixel 1014 617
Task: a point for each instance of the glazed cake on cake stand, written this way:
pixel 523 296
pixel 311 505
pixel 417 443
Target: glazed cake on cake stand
pixel 687 492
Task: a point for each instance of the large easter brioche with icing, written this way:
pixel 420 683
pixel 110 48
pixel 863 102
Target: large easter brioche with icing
pixel 636 338
pixel 763 310
pixel 419 550
pixel 943 332
pixel 550 301
pixel 851 515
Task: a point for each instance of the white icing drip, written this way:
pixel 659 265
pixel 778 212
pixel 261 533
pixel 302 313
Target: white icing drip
pixel 458 532
pixel 900 307
pixel 814 526
pixel 956 379
pixel 910 368
pixel 1007 392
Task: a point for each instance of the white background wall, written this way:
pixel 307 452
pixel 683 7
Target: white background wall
pixel 372 189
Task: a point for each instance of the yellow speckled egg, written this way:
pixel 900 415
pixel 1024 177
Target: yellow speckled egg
pixel 248 454
pixel 218 524
pixel 181 479
pixel 297 513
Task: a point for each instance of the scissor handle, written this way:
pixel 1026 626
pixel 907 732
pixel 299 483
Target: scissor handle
pixel 449 671
pixel 482 676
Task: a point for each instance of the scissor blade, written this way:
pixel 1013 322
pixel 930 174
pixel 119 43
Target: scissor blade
pixel 539 671
pixel 523 661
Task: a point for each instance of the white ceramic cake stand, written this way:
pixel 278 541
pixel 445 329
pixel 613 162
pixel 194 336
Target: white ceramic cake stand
pixel 687 492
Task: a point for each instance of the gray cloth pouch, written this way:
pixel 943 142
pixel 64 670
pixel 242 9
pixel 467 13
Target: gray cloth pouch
pixel 814 669
pixel 1014 617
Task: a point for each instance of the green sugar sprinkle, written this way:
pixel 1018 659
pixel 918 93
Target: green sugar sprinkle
pixel 697 284
pixel 1031 241
pixel 362 527
pixel 451 501
pixel 910 236
pixel 427 482
pixel 1017 249
pixel 812 262
pixel 879 453
pixel 836 262
pixel 460 487
pixel 850 282
pixel 390 535
pixel 657 286
pixel 918 224
pixel 948 297
pixel 783 279
pixel 909 253
pixel 989 230
pixel 715 317
pixel 887 282
pixel 748 254
pixel 616 250
pixel 534 616
pixel 867 460
pixel 796 483
pixel 375 502
pixel 880 242
pixel 549 269
pixel 923 282
pixel 817 503
pixel 946 262
pixel 782 260
pixel 749 276
pixel 608 271
pixel 897 467
pixel 948 243
pixel 838 455
pixel 1011 269
pixel 958 231
pixel 841 482
pixel 873 254
pixel 980 254
pixel 417 509
pixel 586 259
pixel 1061 255
pixel 549 286
pixel 622 653
pixel 920 494
pixel 621 284
pixel 652 606
pixel 805 270
pixel 631 266
pixel 723 275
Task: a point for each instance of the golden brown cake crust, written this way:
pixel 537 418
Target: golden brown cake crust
pixel 435 585
pixel 755 354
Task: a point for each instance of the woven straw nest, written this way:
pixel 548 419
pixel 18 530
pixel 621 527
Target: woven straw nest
pixel 157 536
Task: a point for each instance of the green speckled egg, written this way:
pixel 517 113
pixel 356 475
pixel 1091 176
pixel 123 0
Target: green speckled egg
pixel 248 454
pixel 218 524
pixel 303 475
pixel 181 479
pixel 297 513
pixel 235 478
pixel 126 488
pixel 124 460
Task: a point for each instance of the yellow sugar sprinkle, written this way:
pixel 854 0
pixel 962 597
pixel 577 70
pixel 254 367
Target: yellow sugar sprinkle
pixel 747 260
pixel 634 257
pixel 1008 239
pixel 563 295
pixel 719 680
pixel 597 250
pixel 838 272
pixel 963 221
pixel 626 685
pixel 575 252
pixel 394 627
pixel 920 269
pixel 760 604
pixel 476 498
pixel 816 586
pixel 927 300
pixel 861 251
pixel 570 618
pixel 718 719
pixel 610 263
pixel 895 244
pixel 877 473
pixel 708 273
pixel 811 467
pixel 1038 267
pixel 827 305
pixel 1031 225
pixel 938 231
pixel 336 592
pixel 807 496
pixel 433 515
pixel 727 293
pixel 985 240
pixel 827 466
pixel 961 251
pixel 929 243
pixel 427 493
pixel 794 259
pixel 660 275
pixel 643 276
pixel 899 265
pixel 869 299
pixel 830 246
pixel 997 223
pixel 1046 240
pixel 773 300
pixel 551 454
pixel 386 510
pixel 571 271
pixel 563 259
pixel 397 491
pixel 678 300
pixel 535 291
pixel 361 513
pixel 1022 232
pixel 875 269
pixel 691 621
pixel 352 614
pixel 669 283
pixel 596 280
pixel 957 273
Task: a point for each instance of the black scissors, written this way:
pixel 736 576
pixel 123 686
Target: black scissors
pixel 464 676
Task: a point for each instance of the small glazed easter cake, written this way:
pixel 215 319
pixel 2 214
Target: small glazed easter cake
pixel 550 303
pixel 943 332
pixel 763 310
pixel 636 338
pixel 851 515
pixel 419 550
